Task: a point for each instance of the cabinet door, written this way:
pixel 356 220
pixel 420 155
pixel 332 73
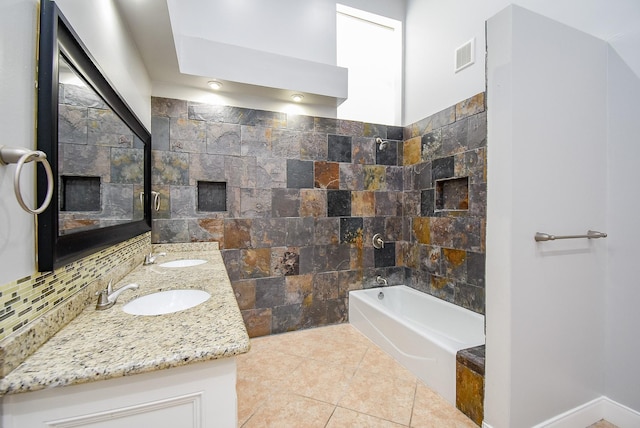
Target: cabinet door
pixel 200 395
pixel 181 411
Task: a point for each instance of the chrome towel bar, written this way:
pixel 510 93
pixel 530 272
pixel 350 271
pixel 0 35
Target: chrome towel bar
pixel 591 234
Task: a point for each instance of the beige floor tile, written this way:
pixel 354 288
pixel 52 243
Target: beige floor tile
pixel 274 343
pixel 377 361
pixel 321 381
pixel 295 379
pixel 267 366
pixel 344 333
pixel 251 395
pixel 348 418
pixel 603 424
pixel 430 410
pixel 326 349
pixel 384 397
pixel 289 410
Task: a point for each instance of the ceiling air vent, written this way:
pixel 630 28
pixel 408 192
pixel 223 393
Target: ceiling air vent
pixel 465 55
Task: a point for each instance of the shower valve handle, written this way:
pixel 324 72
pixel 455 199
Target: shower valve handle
pixel 378 242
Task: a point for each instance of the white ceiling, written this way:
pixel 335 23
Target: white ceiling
pixel 150 26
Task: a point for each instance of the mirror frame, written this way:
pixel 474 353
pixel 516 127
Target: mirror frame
pixel 57 37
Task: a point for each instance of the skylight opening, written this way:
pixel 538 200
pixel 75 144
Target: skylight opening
pixel 370 47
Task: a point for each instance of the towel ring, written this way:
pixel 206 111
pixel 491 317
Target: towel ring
pixel 20 156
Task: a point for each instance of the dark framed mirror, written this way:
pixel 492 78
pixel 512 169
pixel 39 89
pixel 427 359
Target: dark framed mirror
pixel 99 151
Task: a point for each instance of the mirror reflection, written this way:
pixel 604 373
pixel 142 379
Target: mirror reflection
pixel 100 159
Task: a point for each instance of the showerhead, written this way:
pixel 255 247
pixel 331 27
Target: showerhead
pixel 382 144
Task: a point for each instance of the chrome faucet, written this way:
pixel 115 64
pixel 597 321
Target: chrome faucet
pixel 150 258
pixel 382 281
pixel 108 297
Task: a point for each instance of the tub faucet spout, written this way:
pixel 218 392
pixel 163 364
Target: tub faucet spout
pixel 382 281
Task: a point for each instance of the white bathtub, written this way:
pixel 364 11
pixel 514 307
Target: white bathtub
pixel 420 331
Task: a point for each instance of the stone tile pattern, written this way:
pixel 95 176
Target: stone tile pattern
pixel 60 295
pixel 306 194
pixel 95 142
pixel 470 383
pixel 445 253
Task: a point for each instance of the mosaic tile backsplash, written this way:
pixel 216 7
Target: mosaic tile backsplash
pixel 305 195
pixel 24 301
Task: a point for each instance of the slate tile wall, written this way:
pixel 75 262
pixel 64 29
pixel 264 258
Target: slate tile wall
pixel 305 195
pixel 445 200
pixel 95 143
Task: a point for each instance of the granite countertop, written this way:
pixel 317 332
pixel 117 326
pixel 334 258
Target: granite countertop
pixel 100 345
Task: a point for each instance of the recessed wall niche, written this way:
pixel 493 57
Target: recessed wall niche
pixel 212 196
pixel 80 193
pixel 452 194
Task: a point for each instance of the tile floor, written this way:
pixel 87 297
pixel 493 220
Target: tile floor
pixel 603 424
pixel 333 377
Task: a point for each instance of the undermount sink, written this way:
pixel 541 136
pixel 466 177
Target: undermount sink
pixel 166 302
pixel 182 263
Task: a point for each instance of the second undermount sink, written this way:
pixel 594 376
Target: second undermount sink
pixel 182 263
pixel 166 302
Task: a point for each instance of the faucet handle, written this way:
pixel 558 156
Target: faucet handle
pixel 150 258
pixel 103 299
pixel 107 290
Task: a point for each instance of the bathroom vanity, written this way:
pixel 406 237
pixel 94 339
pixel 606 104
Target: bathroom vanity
pixel 112 369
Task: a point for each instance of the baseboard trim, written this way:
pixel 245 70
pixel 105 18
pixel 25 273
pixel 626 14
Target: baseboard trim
pixel 621 415
pixel 590 413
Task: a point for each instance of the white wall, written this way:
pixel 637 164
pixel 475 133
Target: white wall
pixel 623 286
pixel 284 44
pixel 547 128
pixel 394 9
pixel 433 31
pixel 18 24
pixel 435 28
pixel 284 27
pixel 105 35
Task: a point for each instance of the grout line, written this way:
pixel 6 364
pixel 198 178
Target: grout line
pixel 331 416
pixel 415 396
pixel 280 388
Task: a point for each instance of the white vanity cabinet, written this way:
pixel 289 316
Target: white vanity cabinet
pixel 111 369
pixel 198 395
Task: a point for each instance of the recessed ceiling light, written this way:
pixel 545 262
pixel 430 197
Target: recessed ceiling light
pixel 297 97
pixel 214 84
